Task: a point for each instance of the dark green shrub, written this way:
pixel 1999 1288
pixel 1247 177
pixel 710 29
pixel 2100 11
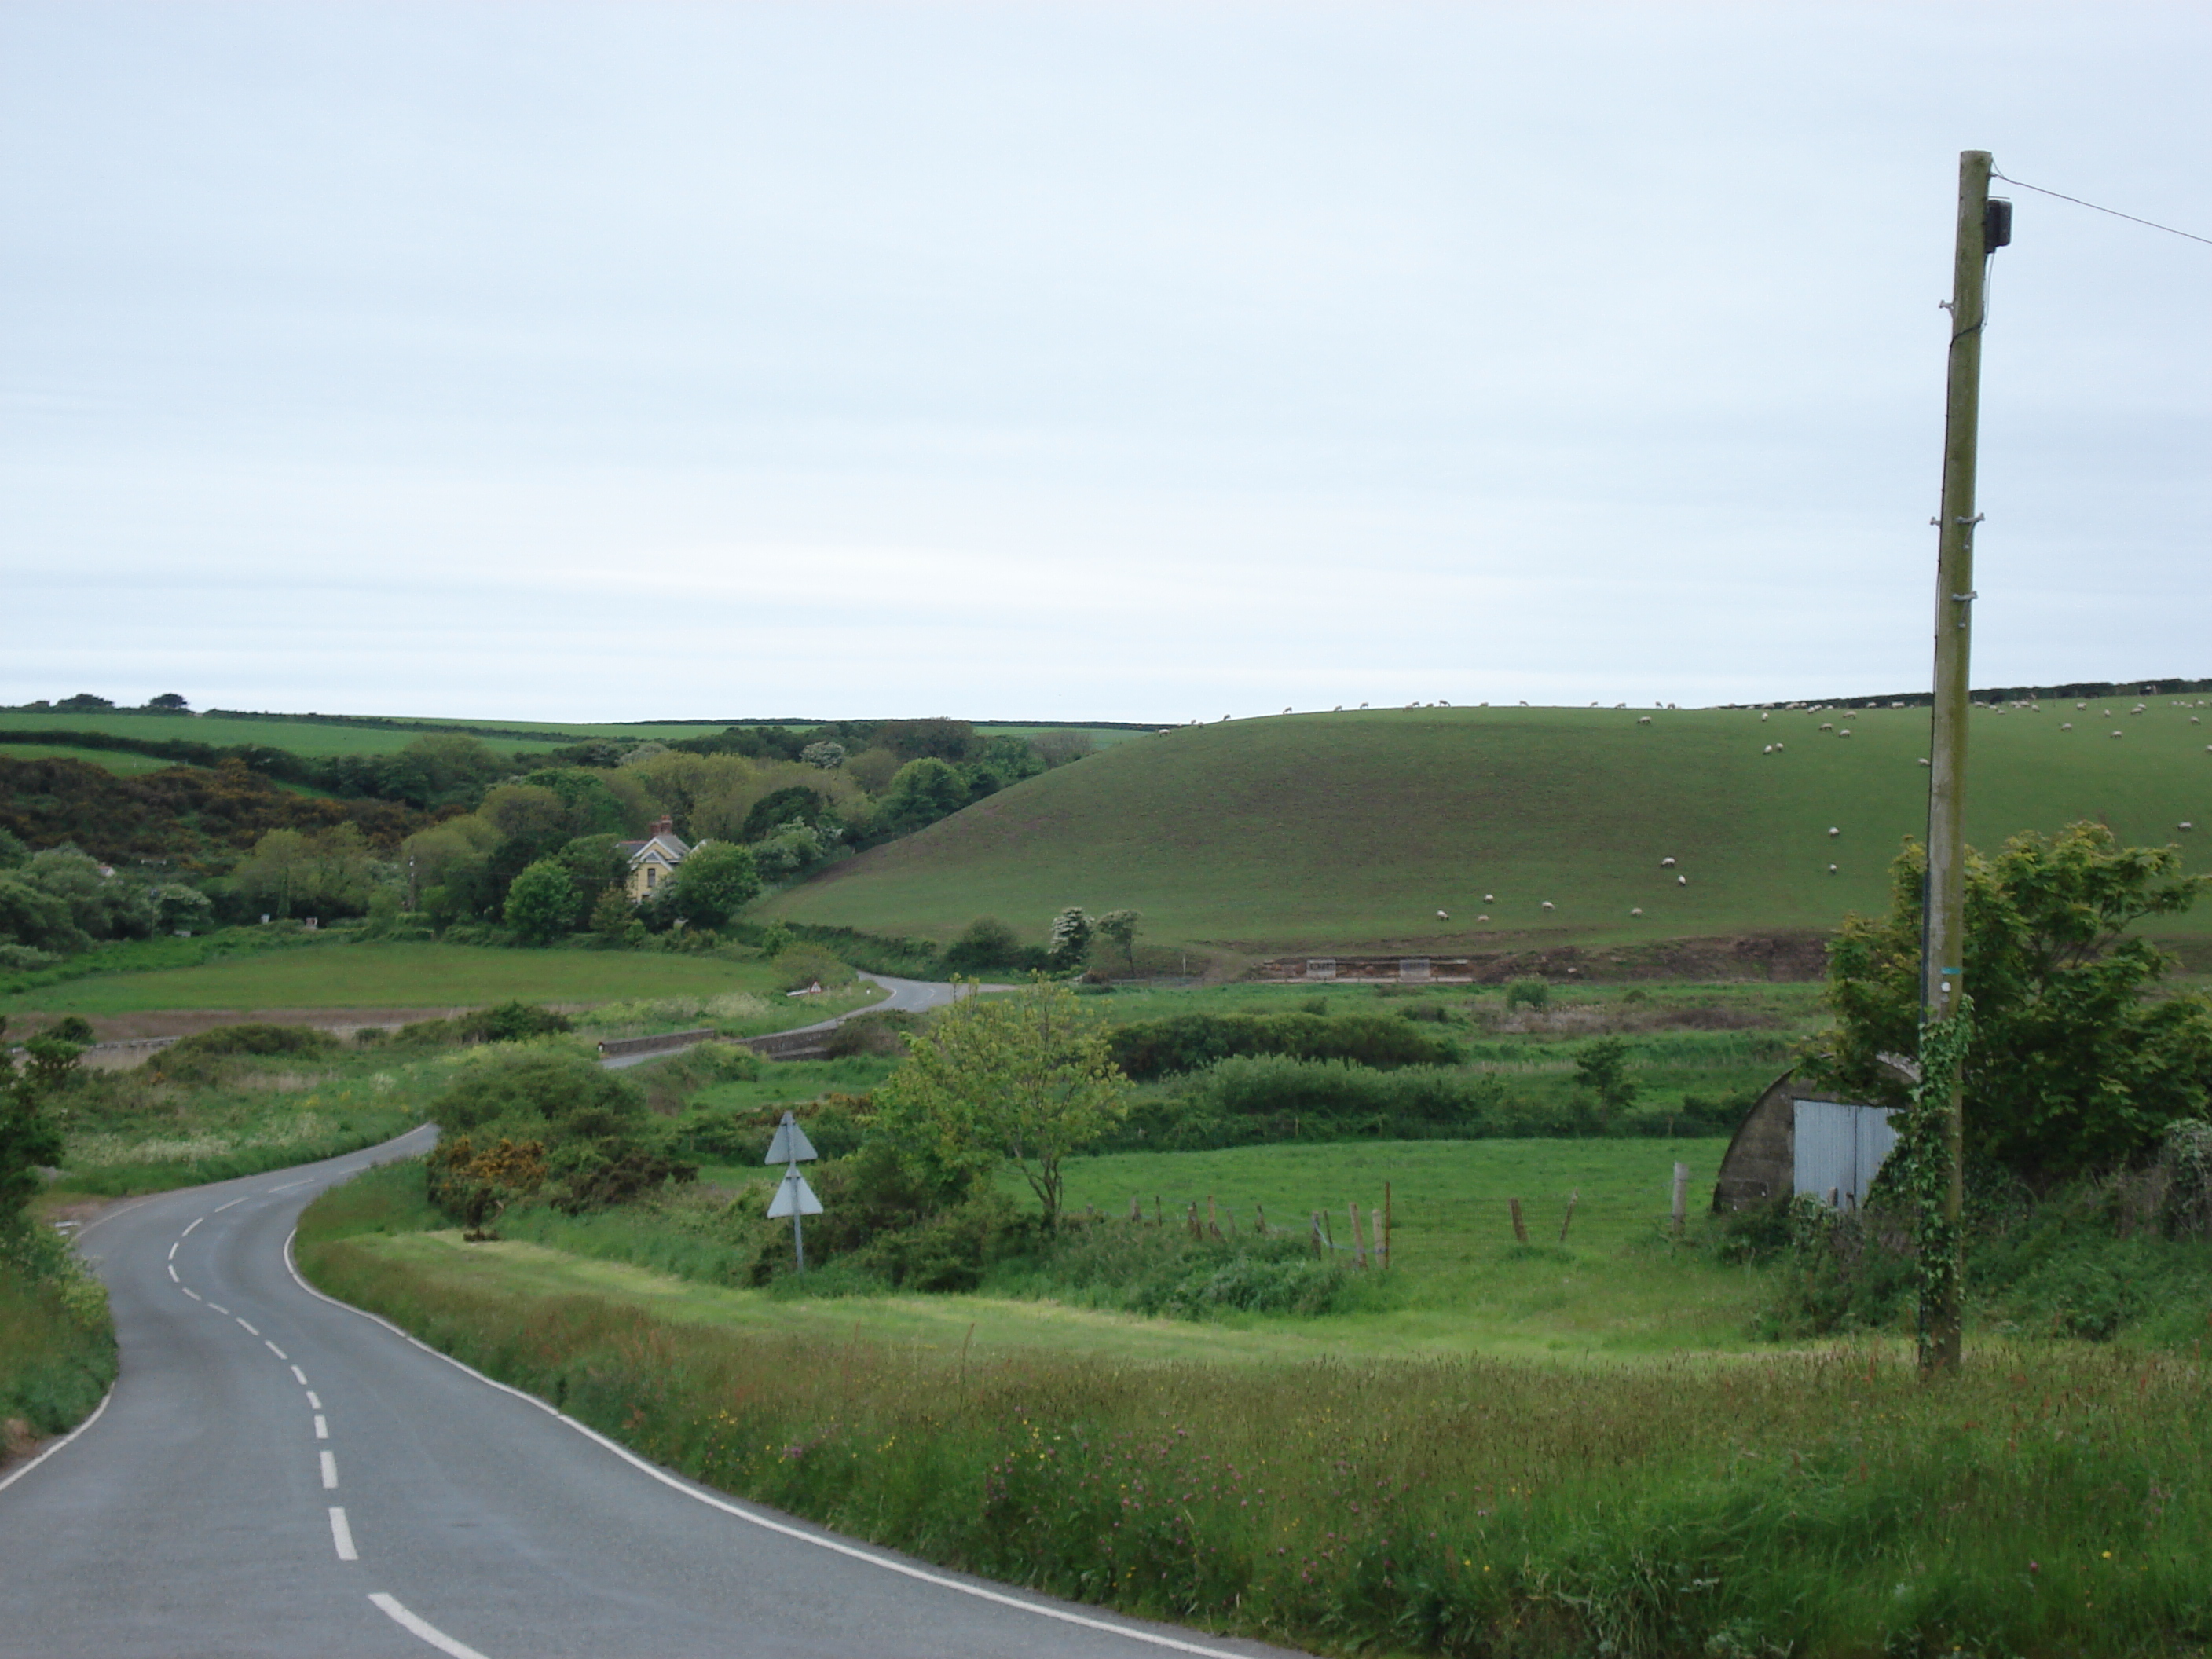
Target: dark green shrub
pixel 1153 1048
pixel 1528 994
pixel 199 1056
pixel 72 1028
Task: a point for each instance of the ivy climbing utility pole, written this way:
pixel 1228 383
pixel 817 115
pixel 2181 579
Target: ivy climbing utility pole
pixel 1983 227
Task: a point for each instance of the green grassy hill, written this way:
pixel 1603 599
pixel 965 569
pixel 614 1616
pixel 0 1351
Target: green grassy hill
pixel 1349 831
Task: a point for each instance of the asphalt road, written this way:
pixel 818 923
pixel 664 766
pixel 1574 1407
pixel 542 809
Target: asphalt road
pixel 276 1474
pixel 907 995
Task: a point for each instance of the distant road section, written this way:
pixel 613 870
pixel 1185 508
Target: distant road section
pixel 276 1474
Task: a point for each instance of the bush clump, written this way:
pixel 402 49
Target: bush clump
pixel 1147 1049
pixel 198 1058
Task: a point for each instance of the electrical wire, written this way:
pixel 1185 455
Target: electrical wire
pixel 2190 234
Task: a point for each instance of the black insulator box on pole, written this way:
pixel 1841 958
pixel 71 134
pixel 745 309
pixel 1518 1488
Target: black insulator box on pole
pixel 1997 223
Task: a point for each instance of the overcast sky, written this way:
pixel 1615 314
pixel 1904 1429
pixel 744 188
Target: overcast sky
pixel 1126 361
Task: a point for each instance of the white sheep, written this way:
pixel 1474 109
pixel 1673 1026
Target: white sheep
pixel 1644 720
pixel 1681 881
pixel 1490 898
pixel 1924 761
pixel 1547 904
pixel 1666 864
pixel 2066 725
pixel 2186 824
pixel 1638 911
pixel 1443 916
pixel 1834 832
pixel 1763 719
pixel 1779 747
pixel 2116 734
pixel 1482 918
pixel 1846 732
pixel 1768 749
pixel 1826 726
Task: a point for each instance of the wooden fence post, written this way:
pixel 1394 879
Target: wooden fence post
pixel 1260 1211
pixel 1573 1199
pixel 1681 1197
pixel 1520 1226
pixel 1359 1246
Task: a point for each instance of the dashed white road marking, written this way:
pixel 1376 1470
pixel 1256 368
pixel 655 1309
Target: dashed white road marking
pixel 172 1250
pixel 187 1232
pixel 173 1274
pixel 194 1294
pixel 834 1546
pixel 217 1307
pixel 243 1325
pixel 234 1204
pixel 389 1606
pixel 329 1471
pixel 274 1349
pixel 289 1185
pixel 322 1427
pixel 301 1377
pixel 342 1535
pixel 312 1400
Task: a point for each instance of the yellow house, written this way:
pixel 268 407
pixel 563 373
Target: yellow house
pixel 652 860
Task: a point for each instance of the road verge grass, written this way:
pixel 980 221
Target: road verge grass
pixel 2052 1499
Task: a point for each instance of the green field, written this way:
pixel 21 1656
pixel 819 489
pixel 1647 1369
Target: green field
pixel 1349 831
pixel 122 762
pixel 399 975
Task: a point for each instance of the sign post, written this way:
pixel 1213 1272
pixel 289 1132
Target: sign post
pixel 793 1198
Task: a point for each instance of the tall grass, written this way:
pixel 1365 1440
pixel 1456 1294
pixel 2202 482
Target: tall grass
pixel 2050 1500
pixel 57 1342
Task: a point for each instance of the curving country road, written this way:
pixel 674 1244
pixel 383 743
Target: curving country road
pixel 276 1474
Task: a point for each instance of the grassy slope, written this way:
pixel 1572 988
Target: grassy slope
pixel 399 975
pixel 1351 831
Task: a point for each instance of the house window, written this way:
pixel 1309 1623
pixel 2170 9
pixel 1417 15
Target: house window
pixel 651 876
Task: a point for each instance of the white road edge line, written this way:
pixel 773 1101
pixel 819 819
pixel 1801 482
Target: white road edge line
pixel 342 1535
pixel 389 1606
pixel 274 1349
pixel 329 1471
pixel 234 1203
pixel 835 1546
pixel 8 1480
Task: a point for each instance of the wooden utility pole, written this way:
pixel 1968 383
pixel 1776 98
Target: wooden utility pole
pixel 1942 959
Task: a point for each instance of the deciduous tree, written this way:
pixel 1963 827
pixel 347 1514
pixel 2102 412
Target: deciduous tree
pixel 1022 1080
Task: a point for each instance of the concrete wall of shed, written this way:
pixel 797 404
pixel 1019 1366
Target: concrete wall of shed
pixel 1760 1163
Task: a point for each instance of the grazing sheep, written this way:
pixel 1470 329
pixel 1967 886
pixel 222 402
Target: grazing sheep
pixel 1763 718
pixel 1768 749
pixel 2186 824
pixel 1638 911
pixel 1644 720
pixel 1833 831
pixel 1666 864
pixel 1826 726
pixel 2066 725
pixel 1443 916
pixel 1681 881
pixel 1832 869
pixel 1779 747
pixel 1846 732
pixel 1924 760
pixel 1547 904
pixel 2116 734
pixel 1490 898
